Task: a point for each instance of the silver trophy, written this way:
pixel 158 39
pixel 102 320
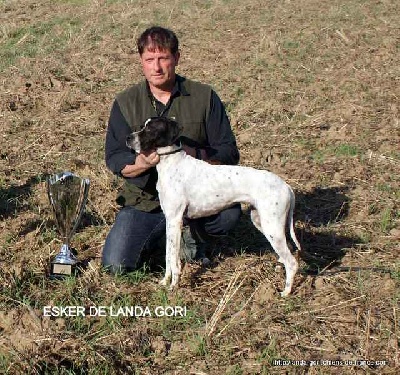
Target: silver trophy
pixel 67 195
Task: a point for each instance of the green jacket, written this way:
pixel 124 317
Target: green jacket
pixel 190 108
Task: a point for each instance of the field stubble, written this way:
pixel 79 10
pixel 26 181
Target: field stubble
pixel 312 91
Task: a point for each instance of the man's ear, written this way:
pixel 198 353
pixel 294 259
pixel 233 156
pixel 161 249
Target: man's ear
pixel 177 57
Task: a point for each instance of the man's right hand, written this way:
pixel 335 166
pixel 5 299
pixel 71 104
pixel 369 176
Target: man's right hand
pixel 143 162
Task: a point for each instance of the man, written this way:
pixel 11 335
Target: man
pixel 206 135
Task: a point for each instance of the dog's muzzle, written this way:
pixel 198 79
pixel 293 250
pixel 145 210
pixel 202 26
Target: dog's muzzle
pixel 132 142
pixel 129 140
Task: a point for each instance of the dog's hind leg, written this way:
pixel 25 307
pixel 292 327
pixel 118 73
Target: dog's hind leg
pixel 275 234
pixel 255 218
pixel 291 220
pixel 289 261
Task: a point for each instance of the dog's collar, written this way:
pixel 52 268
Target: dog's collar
pixel 168 150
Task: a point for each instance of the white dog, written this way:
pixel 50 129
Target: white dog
pixel 197 189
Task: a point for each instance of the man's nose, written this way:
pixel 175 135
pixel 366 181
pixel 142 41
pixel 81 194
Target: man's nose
pixel 157 65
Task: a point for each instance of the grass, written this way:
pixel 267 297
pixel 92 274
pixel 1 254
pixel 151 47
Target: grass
pixel 347 150
pixel 310 91
pixel 321 155
pixel 386 220
pixel 39 38
pixel 134 277
pixel 269 354
pixel 199 346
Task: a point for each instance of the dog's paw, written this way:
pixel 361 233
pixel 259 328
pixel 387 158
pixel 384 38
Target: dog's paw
pixel 174 282
pixel 285 293
pixel 172 288
pixel 164 281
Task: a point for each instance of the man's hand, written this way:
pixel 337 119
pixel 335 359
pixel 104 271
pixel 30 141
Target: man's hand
pixel 143 162
pixel 147 160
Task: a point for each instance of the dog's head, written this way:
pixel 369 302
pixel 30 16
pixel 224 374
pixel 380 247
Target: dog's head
pixel 156 132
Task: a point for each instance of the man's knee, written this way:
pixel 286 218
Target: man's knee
pixel 221 223
pixel 229 218
pixel 127 239
pixel 118 256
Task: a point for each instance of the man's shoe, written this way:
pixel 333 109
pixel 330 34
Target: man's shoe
pixel 192 250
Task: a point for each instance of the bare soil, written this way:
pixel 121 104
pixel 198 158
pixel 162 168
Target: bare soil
pixel 312 91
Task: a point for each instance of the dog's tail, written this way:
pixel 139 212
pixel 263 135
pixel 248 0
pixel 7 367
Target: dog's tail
pixel 290 219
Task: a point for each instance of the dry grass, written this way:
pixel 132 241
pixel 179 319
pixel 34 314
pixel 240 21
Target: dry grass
pixel 312 90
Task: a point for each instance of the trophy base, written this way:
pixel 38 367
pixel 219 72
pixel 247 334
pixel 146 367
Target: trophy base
pixel 64 264
pixel 62 270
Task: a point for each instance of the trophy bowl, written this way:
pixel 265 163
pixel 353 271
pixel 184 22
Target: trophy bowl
pixel 67 194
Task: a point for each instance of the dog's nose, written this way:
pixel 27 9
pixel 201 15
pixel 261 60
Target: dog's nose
pixel 129 141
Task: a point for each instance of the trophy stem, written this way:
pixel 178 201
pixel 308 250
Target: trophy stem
pixel 65 251
pixel 65 255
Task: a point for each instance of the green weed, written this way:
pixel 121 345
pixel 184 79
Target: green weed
pixel 292 304
pixel 4 363
pixel 72 2
pixel 235 370
pixel 183 318
pixel 361 282
pixel 39 38
pixel 6 244
pixel 307 144
pixel 395 273
pixel 160 298
pixel 347 150
pixel 290 67
pixel 134 277
pixel 123 300
pixel 386 222
pixel 342 150
pixel 365 237
pixel 20 288
pixel 268 354
pixel 319 156
pixel 199 345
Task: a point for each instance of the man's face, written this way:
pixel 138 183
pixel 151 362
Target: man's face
pixel 159 67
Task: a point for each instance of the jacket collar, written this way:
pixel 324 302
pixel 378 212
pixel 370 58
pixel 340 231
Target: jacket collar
pixel 179 87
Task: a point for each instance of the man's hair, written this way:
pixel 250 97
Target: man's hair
pixel 157 37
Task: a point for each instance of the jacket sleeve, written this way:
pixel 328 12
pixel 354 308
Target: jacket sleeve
pixel 221 140
pixel 117 153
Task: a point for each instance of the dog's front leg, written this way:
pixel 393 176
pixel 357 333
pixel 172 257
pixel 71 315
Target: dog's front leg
pixel 174 242
pixel 172 259
pixel 167 276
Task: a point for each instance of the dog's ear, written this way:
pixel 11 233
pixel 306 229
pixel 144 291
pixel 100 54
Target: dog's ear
pixel 175 129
